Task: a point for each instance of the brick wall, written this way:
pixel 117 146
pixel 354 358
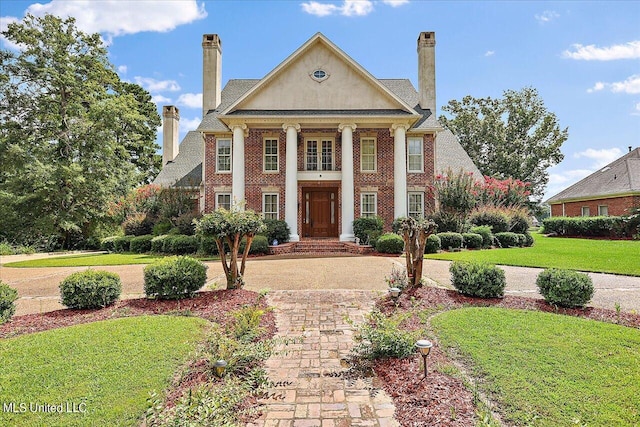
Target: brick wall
pixel 617 206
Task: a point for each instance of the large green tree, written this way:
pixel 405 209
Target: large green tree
pixel 513 136
pixel 73 136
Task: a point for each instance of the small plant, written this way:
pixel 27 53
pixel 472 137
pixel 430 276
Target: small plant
pixel 472 240
pixel 450 240
pixel 364 228
pixel 247 323
pixel 397 278
pixel 528 240
pixel 508 239
pixel 174 278
pixel 7 306
pixel 6 249
pixel 565 288
pixel 382 337
pixel 433 245
pixel 390 243
pixel 90 289
pixel 485 232
pixel 478 279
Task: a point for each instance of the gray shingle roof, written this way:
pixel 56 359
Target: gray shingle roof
pixel 233 90
pixel 451 155
pixel 186 169
pixel 619 177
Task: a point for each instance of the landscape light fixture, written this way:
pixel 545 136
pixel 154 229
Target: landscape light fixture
pixel 395 293
pixel 424 347
pixel 219 367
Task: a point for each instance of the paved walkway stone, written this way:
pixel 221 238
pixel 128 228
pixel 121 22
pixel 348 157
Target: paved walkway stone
pixel 311 385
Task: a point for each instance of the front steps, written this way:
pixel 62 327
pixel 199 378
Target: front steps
pixel 319 247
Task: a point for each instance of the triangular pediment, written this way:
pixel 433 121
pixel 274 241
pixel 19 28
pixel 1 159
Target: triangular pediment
pixel 292 85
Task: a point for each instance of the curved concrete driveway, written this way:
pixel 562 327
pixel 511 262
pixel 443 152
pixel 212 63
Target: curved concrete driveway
pixel 38 287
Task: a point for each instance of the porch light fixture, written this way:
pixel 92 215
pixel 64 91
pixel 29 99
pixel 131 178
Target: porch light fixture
pixel 395 293
pixel 424 347
pixel 219 367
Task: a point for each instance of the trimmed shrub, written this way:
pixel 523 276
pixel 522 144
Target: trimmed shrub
pixel 259 246
pixel 184 223
pixel 137 224
pixel 519 221
pixel 207 245
pixel 122 243
pixel 108 244
pixel 382 337
pixel 485 232
pixel 450 240
pixel 528 240
pixel 180 244
pixel 448 222
pixel 390 243
pixel 507 239
pixel 594 226
pixel 7 306
pixel 90 289
pixel 368 228
pixel 495 218
pixel 472 240
pixel 174 278
pixel 141 244
pixel 433 244
pixel 522 240
pixel 565 288
pixel 477 279
pixel 276 230
pixel 157 243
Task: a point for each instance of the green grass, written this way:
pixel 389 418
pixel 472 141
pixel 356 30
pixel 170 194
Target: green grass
pixel 549 370
pixel 110 366
pixel 92 260
pixel 604 256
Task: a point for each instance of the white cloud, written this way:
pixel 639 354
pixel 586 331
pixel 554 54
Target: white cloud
pixel 319 9
pixel 631 85
pixel 189 124
pixel 118 17
pixel 600 157
pixel 560 180
pixel 159 99
pixel 636 110
pixel 591 52
pixel 490 53
pixel 153 85
pixel 4 25
pixel 122 69
pixel 395 3
pixel 346 8
pixel 357 7
pixel 547 16
pixel 190 100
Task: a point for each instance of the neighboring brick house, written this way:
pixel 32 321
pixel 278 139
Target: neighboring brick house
pixel 317 142
pixel 613 190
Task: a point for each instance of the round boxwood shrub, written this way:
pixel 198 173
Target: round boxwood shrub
pixel 180 244
pixel 478 279
pixel 565 288
pixel 259 246
pixel 472 240
pixel 497 219
pixel 7 297
pixel 277 229
pixel 519 222
pixel 174 278
pixel 528 240
pixel 507 239
pixel 450 240
pixel 433 244
pixel 141 244
pixel 390 243
pixel 366 228
pixel 90 289
pixel 485 232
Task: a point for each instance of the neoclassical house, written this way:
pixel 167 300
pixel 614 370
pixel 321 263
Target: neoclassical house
pixel 317 142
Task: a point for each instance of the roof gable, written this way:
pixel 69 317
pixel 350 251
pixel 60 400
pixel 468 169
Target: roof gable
pixel 291 86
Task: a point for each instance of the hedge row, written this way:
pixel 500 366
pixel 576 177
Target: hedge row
pixel 593 226
pixel 175 244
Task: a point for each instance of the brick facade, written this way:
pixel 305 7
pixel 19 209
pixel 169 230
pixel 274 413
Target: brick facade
pixel 616 206
pixel 257 181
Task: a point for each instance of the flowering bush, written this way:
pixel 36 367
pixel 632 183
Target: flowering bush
pixel 502 193
pixel 397 278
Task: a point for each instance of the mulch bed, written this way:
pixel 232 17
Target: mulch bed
pixel 441 399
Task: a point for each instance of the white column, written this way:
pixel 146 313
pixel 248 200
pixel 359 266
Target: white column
pixel 291 177
pixel 399 170
pixel 237 169
pixel 348 193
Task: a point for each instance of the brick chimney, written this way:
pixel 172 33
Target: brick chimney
pixel 170 125
pixel 211 72
pixel 427 70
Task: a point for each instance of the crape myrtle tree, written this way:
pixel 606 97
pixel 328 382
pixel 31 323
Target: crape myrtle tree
pixel 228 228
pixel 415 232
pixel 73 136
pixel 511 137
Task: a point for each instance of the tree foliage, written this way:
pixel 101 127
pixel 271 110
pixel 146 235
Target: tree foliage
pixel 72 135
pixel 230 227
pixel 514 136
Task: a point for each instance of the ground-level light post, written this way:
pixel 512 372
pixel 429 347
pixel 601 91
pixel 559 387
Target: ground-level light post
pixel 424 347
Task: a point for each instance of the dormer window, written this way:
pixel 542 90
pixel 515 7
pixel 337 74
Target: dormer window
pixel 319 75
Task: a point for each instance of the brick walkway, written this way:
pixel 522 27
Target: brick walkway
pixel 310 385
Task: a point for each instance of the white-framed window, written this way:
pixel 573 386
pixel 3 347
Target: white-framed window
pixel 415 162
pixel 223 155
pixel 271 155
pixel 368 155
pixel 585 211
pixel 270 205
pixel 223 200
pixel 603 210
pixel 319 154
pixel 416 204
pixel 368 204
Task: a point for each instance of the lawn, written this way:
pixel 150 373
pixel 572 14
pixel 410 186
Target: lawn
pixel 91 260
pixel 106 369
pixel 546 369
pixel 604 256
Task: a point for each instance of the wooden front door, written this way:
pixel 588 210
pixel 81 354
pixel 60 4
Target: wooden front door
pixel 319 216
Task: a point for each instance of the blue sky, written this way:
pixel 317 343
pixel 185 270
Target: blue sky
pixel 583 57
